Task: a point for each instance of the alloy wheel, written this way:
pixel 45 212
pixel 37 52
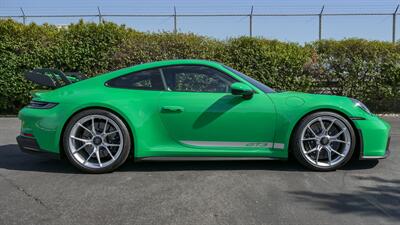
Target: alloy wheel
pixel 325 141
pixel 95 141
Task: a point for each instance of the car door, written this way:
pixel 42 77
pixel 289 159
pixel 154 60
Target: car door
pixel 199 112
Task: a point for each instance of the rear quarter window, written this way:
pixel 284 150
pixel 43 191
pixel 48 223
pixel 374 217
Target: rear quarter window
pixel 142 80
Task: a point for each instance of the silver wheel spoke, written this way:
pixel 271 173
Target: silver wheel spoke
pixel 340 132
pixel 98 156
pixel 340 141
pixel 329 156
pixel 311 131
pixel 109 152
pixel 317 157
pixel 330 125
pixel 85 128
pixel 312 150
pixel 80 139
pixel 322 125
pixel 112 132
pixel 309 139
pixel 80 148
pixel 93 129
pixel 334 151
pixel 112 145
pixel 105 127
pixel 90 156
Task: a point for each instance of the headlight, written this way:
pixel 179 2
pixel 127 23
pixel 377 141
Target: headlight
pixel 41 105
pixel 361 105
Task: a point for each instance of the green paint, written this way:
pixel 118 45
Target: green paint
pixel 160 120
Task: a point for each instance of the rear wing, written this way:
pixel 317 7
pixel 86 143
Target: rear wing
pixel 52 78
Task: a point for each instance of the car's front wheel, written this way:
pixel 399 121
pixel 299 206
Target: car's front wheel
pixel 323 141
pixel 96 141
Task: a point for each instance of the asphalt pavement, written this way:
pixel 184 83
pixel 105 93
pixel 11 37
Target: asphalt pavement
pixel 35 190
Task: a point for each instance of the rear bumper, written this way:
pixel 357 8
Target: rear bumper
pixel 29 145
pixel 45 126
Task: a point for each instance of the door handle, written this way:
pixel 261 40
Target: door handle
pixel 172 109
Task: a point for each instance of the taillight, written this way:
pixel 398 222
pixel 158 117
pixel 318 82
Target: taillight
pixel 41 105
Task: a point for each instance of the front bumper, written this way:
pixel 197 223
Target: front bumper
pixel 374 138
pixel 366 157
pixel 29 145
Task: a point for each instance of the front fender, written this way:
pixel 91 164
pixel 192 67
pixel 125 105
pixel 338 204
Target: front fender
pixel 291 107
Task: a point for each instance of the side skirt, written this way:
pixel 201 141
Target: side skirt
pixel 201 158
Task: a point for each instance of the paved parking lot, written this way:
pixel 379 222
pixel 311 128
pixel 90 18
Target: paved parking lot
pixel 36 190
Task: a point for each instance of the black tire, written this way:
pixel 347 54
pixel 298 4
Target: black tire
pixel 296 141
pixel 118 161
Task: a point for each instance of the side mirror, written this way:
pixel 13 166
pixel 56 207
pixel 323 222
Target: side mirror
pixel 242 89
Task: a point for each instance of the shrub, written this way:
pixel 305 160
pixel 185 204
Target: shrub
pixel 367 70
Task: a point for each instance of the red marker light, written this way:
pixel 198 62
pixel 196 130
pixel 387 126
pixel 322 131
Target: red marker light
pixel 27 134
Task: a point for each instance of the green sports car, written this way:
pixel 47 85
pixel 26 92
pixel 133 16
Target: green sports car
pixel 191 110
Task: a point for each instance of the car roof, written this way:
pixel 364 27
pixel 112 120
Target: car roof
pixel 177 62
pixel 156 64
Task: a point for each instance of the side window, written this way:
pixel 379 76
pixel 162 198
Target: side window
pixel 144 80
pixel 191 78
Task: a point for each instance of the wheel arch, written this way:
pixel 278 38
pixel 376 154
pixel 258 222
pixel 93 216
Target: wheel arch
pixel 357 150
pixel 118 114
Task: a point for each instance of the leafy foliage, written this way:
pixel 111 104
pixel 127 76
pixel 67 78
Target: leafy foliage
pixel 367 70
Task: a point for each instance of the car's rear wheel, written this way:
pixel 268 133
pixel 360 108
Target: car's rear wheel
pixel 96 141
pixel 323 141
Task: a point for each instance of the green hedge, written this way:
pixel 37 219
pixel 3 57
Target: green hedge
pixel 367 70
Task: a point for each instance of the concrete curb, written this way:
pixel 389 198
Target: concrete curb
pixel 389 115
pixel 8 116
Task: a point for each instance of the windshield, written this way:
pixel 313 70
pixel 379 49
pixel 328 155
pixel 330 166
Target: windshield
pixel 254 82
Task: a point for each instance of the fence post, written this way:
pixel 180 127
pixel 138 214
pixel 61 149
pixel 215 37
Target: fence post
pixel 23 16
pixel 175 26
pixel 100 16
pixel 251 21
pixel 394 25
pixel 320 23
